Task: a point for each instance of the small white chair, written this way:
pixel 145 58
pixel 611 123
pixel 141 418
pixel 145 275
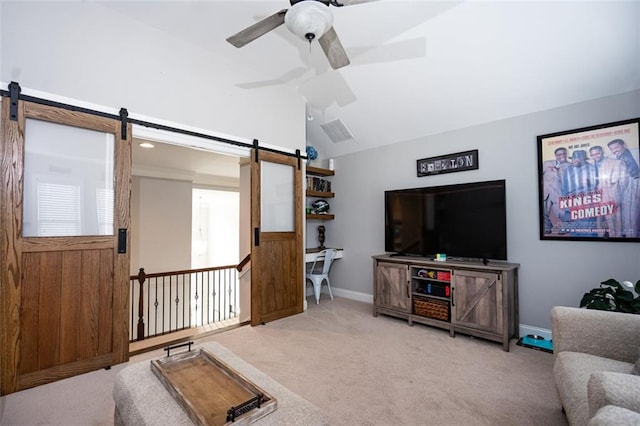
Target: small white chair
pixel 319 272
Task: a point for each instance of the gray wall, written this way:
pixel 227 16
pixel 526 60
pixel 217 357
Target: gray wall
pixel 551 272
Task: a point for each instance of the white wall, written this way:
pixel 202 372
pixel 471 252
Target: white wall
pixel 245 239
pixel 162 241
pixel 89 52
pixel 215 228
pixel 551 272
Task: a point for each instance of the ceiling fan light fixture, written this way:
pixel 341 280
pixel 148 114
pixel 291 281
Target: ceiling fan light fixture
pixel 309 19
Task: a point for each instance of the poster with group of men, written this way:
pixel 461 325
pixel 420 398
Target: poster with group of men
pixel 590 183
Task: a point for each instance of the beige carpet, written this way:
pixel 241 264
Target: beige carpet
pixel 358 369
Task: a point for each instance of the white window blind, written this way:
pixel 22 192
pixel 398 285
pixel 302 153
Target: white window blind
pixel 59 212
pixel 105 203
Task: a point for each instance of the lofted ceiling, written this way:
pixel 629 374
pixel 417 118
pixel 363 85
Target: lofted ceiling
pixel 420 68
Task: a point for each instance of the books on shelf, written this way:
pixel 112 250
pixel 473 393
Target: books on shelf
pixel 318 184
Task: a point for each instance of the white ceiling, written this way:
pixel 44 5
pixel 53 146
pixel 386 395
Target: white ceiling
pixel 181 163
pixel 420 68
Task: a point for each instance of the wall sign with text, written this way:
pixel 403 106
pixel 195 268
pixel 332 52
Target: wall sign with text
pixel 449 163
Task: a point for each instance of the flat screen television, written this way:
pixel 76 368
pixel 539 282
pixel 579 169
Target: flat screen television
pixel 464 220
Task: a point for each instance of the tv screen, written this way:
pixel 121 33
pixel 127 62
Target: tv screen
pixel 464 220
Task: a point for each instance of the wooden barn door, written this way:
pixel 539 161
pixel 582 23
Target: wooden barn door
pixel 277 287
pixel 64 262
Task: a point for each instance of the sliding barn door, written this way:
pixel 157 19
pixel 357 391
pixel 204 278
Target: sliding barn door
pixel 277 287
pixel 64 262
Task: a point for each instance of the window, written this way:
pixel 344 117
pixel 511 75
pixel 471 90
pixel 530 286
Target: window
pixel 215 228
pixel 58 209
pixel 68 181
pixel 105 202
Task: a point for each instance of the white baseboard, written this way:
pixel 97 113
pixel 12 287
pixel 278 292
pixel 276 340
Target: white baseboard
pixel 527 329
pixel 339 292
pixel 353 295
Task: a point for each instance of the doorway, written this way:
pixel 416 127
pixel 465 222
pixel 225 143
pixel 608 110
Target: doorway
pixel 184 202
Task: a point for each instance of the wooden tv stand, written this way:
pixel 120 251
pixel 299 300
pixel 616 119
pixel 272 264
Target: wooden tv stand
pixel 467 297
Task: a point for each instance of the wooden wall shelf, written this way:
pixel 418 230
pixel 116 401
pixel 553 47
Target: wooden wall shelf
pixel 318 171
pixel 321 216
pixel 319 194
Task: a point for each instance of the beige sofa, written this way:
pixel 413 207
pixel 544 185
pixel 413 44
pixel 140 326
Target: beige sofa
pixel 596 354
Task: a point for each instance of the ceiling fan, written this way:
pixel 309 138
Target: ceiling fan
pixel 308 19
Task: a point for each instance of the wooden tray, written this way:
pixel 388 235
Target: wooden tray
pixel 207 388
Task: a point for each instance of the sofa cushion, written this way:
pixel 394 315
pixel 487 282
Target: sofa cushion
pixel 608 388
pixel 611 415
pixel 571 372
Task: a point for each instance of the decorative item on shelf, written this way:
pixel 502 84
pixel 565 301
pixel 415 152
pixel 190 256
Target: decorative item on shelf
pixel 315 183
pixel 312 154
pixel 321 230
pixel 444 276
pixel 320 207
pixel 434 289
pixel 614 296
pixel 427 273
pixel 431 308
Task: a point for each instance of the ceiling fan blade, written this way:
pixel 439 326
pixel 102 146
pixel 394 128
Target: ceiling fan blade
pixel 258 29
pixel 340 3
pixel 333 49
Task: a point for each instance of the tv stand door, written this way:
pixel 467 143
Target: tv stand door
pixel 392 287
pixel 477 301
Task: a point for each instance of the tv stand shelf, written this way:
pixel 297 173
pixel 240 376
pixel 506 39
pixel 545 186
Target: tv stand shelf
pixel 475 298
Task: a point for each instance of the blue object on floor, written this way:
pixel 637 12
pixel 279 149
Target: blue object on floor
pixel 536 342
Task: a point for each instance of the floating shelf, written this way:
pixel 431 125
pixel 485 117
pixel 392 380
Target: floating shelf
pixel 321 216
pixel 319 194
pixel 317 171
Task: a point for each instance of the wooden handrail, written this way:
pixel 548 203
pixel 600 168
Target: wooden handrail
pixel 142 277
pixel 244 261
pixel 183 272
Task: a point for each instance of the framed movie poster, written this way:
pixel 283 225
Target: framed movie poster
pixel 589 183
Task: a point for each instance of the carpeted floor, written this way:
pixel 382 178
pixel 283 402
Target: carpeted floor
pixel 358 369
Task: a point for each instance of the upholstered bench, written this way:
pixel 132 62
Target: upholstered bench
pixel 141 399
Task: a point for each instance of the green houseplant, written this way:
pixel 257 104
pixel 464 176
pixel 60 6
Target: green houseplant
pixel 614 296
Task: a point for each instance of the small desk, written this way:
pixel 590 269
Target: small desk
pixel 312 253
